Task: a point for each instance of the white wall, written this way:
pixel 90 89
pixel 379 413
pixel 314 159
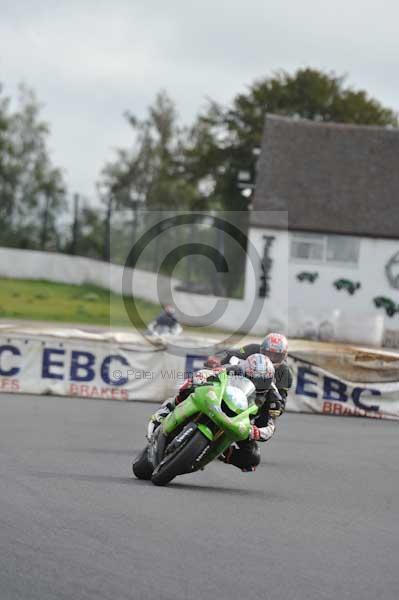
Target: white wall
pixel 275 306
pixel 355 317
pixel 63 268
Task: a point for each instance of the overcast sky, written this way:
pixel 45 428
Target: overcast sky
pixel 90 60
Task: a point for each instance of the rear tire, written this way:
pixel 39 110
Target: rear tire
pixel 142 468
pixel 180 461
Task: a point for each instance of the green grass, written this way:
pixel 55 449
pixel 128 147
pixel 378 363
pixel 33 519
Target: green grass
pixel 47 301
pixel 41 300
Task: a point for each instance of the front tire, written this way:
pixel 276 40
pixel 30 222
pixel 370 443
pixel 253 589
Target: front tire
pixel 180 461
pixel 142 468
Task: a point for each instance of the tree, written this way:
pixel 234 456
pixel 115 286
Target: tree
pixel 149 173
pixel 86 237
pixel 7 170
pixel 225 139
pixel 32 190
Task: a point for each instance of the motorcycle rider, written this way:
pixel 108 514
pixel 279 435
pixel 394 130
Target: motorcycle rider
pixel 259 369
pixel 166 320
pixel 275 347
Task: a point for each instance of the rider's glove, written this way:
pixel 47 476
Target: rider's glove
pixel 157 418
pixel 254 433
pixel 276 408
pixel 262 434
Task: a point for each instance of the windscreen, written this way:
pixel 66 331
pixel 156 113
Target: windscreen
pixel 244 385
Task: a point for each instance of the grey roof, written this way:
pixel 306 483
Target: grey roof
pixel 329 177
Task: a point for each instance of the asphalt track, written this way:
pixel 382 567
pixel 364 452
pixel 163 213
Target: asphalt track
pixel 318 520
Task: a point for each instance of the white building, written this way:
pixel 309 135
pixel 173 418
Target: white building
pixel 326 220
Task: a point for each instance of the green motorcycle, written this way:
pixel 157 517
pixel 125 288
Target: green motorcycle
pixel 199 429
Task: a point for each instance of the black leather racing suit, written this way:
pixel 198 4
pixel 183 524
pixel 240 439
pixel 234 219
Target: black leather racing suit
pixel 247 455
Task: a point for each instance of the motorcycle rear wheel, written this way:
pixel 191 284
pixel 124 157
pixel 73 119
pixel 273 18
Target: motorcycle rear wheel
pixel 179 461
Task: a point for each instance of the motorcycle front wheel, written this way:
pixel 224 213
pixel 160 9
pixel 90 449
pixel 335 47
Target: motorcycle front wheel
pixel 180 461
pixel 142 467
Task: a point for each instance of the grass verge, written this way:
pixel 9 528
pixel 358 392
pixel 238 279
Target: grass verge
pixel 87 304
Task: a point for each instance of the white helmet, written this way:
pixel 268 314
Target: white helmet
pixel 200 377
pixel 275 347
pixel 259 369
